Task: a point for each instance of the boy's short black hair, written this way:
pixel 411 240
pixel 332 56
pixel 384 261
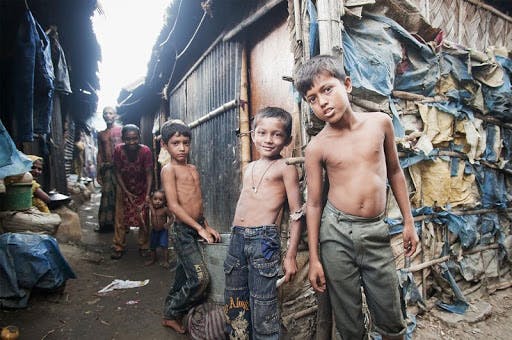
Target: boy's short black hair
pixel 129 127
pixel 174 127
pixel 274 112
pixel 305 74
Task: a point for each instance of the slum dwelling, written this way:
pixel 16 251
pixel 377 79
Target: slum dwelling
pixel 443 78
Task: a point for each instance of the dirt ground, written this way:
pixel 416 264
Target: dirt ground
pixel 79 312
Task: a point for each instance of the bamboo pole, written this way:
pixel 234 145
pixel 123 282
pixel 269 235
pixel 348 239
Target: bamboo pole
pixel 330 27
pixel 490 9
pixel 447 257
pixel 252 19
pixel 212 114
pixel 245 129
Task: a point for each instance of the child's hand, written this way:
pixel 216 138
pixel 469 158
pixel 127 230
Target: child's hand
pixel 205 235
pixel 316 276
pixel 410 240
pixel 215 234
pixel 290 268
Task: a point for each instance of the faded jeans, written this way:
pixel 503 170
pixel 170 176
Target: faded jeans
pixel 251 268
pixel 191 277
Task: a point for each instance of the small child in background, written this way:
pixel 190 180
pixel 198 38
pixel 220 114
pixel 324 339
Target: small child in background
pixel 160 219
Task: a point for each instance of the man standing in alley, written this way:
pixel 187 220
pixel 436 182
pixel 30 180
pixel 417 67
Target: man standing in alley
pixel 110 205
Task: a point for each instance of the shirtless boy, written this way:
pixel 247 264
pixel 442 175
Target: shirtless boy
pixel 254 255
pixel 180 181
pixel 358 152
pixel 160 219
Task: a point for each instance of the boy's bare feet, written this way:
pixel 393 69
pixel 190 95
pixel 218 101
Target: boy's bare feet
pixel 174 324
pixel 149 262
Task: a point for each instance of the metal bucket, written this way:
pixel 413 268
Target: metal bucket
pixel 18 196
pixel 214 255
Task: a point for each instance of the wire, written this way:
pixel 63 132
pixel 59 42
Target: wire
pixel 193 36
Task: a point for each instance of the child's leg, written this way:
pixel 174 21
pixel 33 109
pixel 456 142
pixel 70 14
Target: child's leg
pixel 152 258
pixel 165 256
pixel 174 324
pixel 193 275
pixel 264 266
pixel 236 292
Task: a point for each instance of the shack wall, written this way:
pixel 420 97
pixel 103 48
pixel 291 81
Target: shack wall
pixel 211 83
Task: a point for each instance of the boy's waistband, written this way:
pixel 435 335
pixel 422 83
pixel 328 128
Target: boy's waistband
pixel 347 217
pixel 253 230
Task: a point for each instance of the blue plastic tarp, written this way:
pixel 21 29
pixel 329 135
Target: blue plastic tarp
pixel 12 161
pixel 381 55
pixel 29 261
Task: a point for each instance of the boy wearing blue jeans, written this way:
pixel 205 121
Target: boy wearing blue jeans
pixel 358 153
pixel 253 260
pixel 180 181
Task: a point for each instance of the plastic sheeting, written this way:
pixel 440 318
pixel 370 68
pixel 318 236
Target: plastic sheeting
pixel 29 261
pixel 12 161
pixel 381 56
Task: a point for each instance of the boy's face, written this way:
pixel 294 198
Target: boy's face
pixel 158 200
pixel 269 137
pixel 328 97
pixel 178 147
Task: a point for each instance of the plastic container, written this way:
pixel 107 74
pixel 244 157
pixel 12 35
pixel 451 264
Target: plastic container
pixel 10 333
pixel 18 194
pixel 214 255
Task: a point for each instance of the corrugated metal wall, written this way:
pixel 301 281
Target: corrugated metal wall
pixel 215 143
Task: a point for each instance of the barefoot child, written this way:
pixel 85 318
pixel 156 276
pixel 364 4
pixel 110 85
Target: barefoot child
pixel 357 151
pixel 160 219
pixel 180 182
pixel 254 255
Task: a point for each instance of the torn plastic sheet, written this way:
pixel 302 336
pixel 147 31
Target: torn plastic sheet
pixel 493 144
pixel 29 261
pixel 499 99
pixel 397 125
pixel 410 291
pixel 12 161
pixel 455 66
pixel 460 305
pixel 313 29
pixel 122 284
pixel 458 225
pixel 492 187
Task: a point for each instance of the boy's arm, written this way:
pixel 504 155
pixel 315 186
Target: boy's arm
pixel 291 183
pixel 314 170
pixel 168 176
pixel 398 185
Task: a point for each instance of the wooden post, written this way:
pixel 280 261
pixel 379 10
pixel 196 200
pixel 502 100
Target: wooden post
pixel 245 129
pixel 330 27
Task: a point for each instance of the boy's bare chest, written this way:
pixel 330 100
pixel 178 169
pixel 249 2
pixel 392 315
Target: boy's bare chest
pixel 354 149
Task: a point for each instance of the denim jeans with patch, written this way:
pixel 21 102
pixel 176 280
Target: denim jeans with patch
pixel 191 278
pixel 251 268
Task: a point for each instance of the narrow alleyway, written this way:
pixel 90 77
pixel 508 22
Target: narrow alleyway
pixel 79 312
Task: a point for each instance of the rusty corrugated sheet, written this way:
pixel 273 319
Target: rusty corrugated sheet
pixel 215 144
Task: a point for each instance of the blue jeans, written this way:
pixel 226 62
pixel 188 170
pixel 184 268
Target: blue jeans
pixel 251 268
pixel 159 238
pixel 191 279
